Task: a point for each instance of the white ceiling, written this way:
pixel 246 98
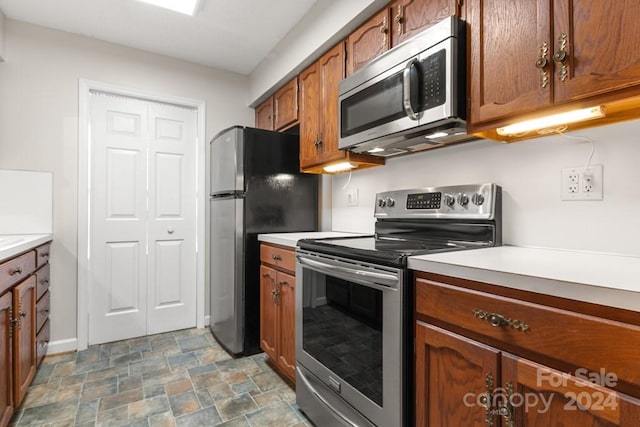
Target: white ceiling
pixel 232 35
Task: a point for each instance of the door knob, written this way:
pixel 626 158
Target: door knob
pixel 170 230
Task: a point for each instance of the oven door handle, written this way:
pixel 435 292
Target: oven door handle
pixel 322 400
pixel 380 281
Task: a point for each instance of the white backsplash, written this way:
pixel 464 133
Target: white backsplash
pixel 530 175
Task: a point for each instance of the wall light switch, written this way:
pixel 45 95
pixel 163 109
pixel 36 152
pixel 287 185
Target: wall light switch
pixel 352 197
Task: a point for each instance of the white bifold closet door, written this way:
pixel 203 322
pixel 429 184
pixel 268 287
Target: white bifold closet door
pixel 142 232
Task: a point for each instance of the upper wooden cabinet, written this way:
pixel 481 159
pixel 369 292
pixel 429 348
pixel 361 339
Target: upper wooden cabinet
pixel 536 56
pixel 395 23
pixel 285 104
pixel 319 115
pixel 409 17
pixel 368 41
pixel 264 114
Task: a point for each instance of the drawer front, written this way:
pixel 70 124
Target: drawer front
pixel 17 269
pixel 42 282
pixel 42 310
pixel 42 343
pixel 42 255
pixel 280 257
pixel 582 340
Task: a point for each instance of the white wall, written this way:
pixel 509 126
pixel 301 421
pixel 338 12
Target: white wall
pixel 322 27
pixel 529 173
pixel 39 122
pixel 2 35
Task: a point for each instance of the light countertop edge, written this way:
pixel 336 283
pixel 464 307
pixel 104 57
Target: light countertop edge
pixel 590 277
pixel 291 239
pixel 19 243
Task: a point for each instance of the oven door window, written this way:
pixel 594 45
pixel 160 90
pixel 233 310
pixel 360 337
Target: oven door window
pixel 342 329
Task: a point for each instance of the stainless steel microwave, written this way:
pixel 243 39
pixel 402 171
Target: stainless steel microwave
pixel 411 98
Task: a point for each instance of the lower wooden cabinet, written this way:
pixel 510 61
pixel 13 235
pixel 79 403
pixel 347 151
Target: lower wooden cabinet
pixel 487 359
pixel 6 365
pixel 277 308
pixel 24 325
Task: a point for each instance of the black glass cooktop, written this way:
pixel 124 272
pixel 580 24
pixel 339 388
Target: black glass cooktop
pixel 384 250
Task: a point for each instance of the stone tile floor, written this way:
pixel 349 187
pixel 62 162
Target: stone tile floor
pixel 181 378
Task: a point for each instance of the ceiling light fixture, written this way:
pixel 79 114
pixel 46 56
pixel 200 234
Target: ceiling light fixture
pixel 553 120
pixel 188 7
pixel 340 167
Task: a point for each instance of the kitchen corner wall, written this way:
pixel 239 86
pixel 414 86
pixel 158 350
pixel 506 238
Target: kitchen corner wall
pixel 39 122
pixel 530 173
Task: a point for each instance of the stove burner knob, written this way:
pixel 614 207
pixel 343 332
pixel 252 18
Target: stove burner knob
pixel 449 200
pixel 381 203
pixel 390 202
pixel 477 199
pixel 463 199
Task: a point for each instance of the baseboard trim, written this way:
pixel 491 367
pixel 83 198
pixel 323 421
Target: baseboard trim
pixel 62 346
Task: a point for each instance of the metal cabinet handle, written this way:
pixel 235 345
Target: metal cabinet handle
pixel 399 20
pixel 406 90
pixel 276 257
pixel 384 30
pixel 498 320
pixel 44 282
pixel 15 271
pixel 44 254
pixel 485 399
pixel 505 410
pixel 561 56
pixel 542 63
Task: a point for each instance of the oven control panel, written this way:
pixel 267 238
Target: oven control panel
pixel 482 201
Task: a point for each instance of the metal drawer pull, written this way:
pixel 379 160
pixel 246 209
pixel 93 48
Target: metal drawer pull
pixel 499 320
pixel 15 271
pixel 44 254
pixel 44 282
pixel 276 257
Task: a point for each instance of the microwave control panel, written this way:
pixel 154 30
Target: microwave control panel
pixel 434 69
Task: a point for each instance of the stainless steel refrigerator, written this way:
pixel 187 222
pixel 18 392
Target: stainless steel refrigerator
pixel 256 187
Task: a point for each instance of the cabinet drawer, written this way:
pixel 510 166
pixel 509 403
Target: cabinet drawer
pixel 42 282
pixel 42 343
pixel 280 257
pixel 16 269
pixel 42 255
pixel 42 310
pixel 584 341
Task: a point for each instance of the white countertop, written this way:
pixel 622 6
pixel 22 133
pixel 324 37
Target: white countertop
pixel 14 244
pixel 591 277
pixel 291 239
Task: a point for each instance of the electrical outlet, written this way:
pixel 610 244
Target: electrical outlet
pixel 352 197
pixel 582 183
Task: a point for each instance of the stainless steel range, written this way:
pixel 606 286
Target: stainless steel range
pixel 354 302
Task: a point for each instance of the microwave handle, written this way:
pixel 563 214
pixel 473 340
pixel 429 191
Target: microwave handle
pixel 406 90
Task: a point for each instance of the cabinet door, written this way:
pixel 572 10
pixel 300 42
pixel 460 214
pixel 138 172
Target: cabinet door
pixel 507 38
pixel 368 41
pixel 24 337
pixel 409 17
pixel 264 114
pixel 6 390
pixel 287 326
pixel 268 313
pixel 542 396
pixel 602 54
pixel 310 101
pixel 452 373
pixel 285 103
pixel 331 70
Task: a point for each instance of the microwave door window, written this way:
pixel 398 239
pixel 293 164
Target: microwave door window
pixel 374 106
